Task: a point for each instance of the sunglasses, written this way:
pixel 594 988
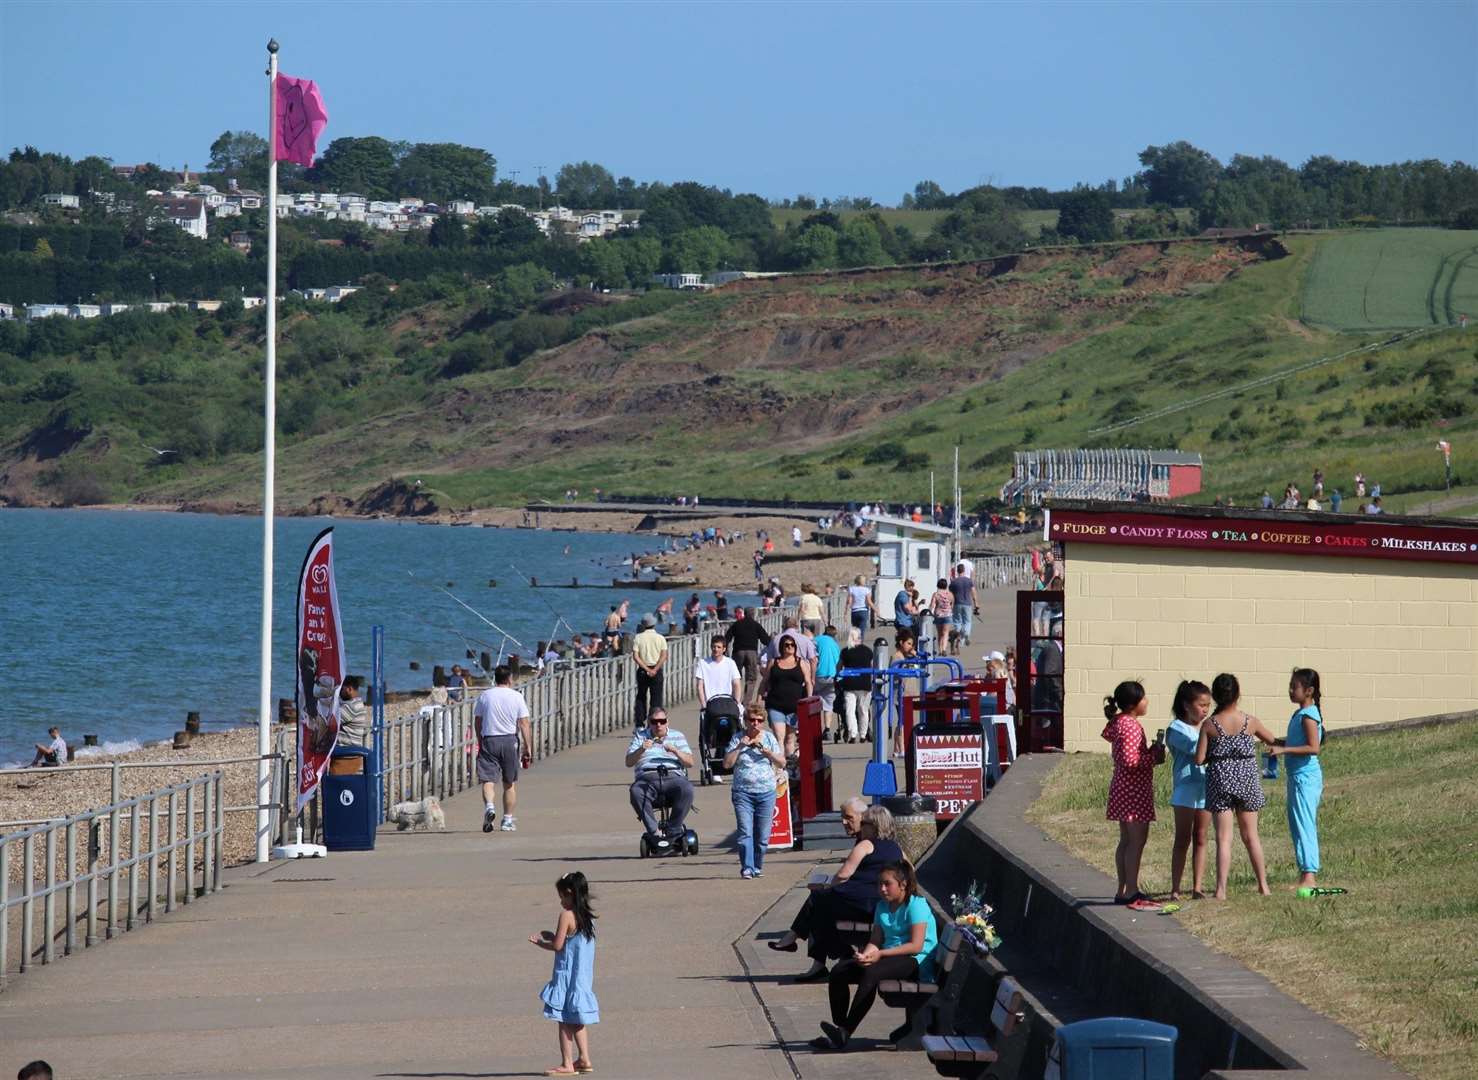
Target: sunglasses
pixel 659 719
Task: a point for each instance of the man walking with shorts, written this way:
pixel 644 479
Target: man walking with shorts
pixel 502 718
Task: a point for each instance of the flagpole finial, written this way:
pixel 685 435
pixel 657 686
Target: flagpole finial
pixel 272 45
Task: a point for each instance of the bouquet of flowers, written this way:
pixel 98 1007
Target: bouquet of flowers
pixel 972 915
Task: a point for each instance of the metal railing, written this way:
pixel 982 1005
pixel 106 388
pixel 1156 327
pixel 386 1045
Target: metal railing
pixel 110 869
pixel 434 752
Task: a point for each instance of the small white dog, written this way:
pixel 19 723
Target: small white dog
pixel 425 814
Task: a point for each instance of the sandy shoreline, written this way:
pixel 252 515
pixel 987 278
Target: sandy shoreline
pixel 47 793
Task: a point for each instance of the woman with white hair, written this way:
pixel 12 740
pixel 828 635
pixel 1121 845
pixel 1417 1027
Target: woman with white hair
pixel 850 894
pixel 856 689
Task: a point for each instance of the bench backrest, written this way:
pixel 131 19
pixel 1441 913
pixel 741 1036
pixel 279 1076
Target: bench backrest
pixel 1006 1013
pixel 948 949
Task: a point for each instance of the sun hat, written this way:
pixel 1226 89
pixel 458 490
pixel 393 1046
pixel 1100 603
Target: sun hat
pixel 648 622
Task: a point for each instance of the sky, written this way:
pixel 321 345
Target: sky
pixel 827 99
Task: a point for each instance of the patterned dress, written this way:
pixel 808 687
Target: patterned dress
pixel 1132 791
pixel 1232 780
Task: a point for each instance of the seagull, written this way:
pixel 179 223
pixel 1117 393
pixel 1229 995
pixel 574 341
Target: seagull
pixel 158 451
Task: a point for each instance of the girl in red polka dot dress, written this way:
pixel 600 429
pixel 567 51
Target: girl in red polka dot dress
pixel 1131 800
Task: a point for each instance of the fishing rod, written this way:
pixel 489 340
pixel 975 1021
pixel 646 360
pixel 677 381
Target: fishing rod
pixel 557 616
pixel 469 607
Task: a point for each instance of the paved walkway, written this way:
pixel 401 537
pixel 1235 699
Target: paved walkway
pixel 412 961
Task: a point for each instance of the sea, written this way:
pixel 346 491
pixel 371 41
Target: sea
pixel 118 623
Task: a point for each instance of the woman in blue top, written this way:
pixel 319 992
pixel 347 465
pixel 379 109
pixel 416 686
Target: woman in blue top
pixel 1188 793
pixel 902 944
pixel 1305 775
pixel 754 755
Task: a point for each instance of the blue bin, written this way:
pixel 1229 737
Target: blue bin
pixel 350 802
pixel 1113 1048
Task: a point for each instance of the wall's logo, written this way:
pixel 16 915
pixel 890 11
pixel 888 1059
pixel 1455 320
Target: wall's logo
pixel 319 574
pixel 346 797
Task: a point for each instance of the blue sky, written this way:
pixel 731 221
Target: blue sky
pixel 778 98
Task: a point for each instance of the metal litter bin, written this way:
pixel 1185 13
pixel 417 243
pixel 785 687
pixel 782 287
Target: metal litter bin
pixel 350 800
pixel 1113 1048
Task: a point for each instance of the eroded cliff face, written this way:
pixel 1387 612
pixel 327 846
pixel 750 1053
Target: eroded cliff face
pixel 805 359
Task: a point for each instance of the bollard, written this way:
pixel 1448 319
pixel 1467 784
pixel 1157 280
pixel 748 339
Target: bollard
pixel 182 740
pixel 192 723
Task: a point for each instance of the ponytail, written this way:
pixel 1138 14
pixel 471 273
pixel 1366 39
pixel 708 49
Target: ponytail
pixel 1125 697
pixel 907 880
pixel 1226 691
pixel 1185 695
pixel 1308 677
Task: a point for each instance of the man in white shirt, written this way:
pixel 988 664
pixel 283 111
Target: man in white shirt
pixel 52 753
pixel 718 675
pixel 502 718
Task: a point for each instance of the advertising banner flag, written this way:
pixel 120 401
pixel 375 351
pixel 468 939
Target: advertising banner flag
pixel 782 831
pixel 321 665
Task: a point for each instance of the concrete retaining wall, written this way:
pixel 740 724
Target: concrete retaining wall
pixel 1059 921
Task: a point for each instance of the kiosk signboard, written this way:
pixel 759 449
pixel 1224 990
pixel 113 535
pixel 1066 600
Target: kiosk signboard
pixel 950 768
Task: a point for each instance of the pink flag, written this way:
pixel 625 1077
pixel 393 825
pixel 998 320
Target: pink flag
pixel 301 118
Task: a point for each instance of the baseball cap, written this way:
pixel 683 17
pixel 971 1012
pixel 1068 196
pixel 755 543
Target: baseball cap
pixel 648 621
pixel 996 655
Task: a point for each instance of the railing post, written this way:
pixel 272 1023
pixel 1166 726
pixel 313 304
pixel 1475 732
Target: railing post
pixel 48 925
pixel 153 891
pixel 133 865
pixel 215 882
pixel 117 788
pixel 189 844
pixel 171 883
pixel 94 851
pixel 69 936
pixel 28 889
pixel 4 910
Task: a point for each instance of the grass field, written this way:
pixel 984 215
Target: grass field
pixel 1397 959
pixel 1393 279
pixel 919 222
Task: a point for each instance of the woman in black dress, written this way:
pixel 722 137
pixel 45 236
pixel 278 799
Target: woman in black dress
pixel 850 895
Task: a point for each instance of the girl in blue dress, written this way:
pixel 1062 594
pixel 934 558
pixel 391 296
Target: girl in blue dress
pixel 569 996
pixel 1188 793
pixel 1305 775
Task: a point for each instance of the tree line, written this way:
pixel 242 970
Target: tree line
pixel 685 226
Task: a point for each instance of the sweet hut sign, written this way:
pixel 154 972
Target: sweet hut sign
pixel 1366 537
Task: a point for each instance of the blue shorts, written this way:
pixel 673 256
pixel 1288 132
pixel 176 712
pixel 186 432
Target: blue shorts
pixel 778 717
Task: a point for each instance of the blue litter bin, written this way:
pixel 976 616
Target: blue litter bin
pixel 350 810
pixel 1113 1048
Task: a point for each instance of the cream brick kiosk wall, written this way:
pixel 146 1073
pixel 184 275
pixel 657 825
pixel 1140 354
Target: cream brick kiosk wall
pixel 1391 636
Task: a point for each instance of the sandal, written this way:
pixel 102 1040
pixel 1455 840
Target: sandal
pixel 1143 903
pixel 560 1070
pixel 584 1067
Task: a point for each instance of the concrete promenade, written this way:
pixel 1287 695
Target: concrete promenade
pixel 412 960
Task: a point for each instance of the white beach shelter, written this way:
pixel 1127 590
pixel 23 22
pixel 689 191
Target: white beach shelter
pixel 908 550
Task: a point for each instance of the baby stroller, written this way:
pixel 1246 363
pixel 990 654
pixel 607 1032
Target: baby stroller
pixel 719 723
pixel 665 842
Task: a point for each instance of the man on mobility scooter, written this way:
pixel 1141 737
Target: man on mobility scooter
pixel 660 757
pixel 719 693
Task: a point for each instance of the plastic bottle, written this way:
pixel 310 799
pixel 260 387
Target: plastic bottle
pixel 1307 891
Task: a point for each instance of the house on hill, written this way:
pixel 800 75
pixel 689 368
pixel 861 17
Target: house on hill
pixel 186 213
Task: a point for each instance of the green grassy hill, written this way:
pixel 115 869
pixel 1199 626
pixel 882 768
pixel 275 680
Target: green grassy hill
pixel 843 385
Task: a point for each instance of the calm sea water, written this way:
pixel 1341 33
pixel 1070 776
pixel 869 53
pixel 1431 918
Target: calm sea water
pixel 120 622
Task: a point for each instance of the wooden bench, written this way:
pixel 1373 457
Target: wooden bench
pixel 912 997
pixel 970 1055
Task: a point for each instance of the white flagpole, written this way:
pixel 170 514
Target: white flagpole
pixel 264 704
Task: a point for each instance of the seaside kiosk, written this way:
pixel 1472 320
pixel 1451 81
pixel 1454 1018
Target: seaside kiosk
pixel 1384 607
pixel 908 551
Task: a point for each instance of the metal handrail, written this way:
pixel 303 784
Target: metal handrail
pixel 159 859
pixel 434 752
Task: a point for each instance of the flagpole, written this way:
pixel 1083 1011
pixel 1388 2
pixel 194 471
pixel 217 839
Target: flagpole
pixel 264 703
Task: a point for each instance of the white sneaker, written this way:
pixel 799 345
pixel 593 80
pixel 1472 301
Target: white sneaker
pixel 509 824
pixel 489 815
pixel 717 779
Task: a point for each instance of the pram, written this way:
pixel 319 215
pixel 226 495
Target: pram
pixel 719 723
